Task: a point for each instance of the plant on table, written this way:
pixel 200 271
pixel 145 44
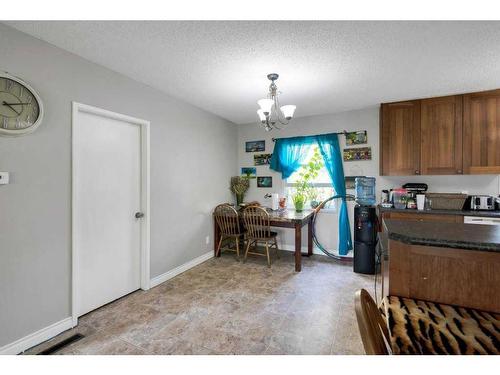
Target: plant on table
pixel 239 186
pixel 303 186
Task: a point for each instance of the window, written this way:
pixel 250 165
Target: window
pixel 321 185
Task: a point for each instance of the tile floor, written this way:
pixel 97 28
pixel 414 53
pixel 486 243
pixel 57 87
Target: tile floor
pixel 228 307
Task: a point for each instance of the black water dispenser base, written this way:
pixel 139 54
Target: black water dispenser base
pixel 365 239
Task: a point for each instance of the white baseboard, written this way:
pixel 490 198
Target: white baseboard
pixel 182 268
pixel 285 247
pixel 37 337
pixel 53 330
pixel 316 251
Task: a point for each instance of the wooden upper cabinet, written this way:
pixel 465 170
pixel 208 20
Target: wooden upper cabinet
pixel 400 138
pixel 441 132
pixel 481 144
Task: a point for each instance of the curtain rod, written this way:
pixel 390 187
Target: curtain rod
pixel 344 132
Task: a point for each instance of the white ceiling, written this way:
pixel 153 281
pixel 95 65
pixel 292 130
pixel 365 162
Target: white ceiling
pixel 324 67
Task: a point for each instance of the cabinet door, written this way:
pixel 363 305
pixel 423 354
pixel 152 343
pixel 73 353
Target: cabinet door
pixel 482 132
pixel 441 131
pixel 400 139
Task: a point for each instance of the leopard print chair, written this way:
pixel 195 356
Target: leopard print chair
pixel 422 327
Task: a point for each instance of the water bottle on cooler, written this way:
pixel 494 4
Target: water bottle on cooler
pixel 365 191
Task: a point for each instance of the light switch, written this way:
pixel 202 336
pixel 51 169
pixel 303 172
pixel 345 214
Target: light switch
pixel 4 178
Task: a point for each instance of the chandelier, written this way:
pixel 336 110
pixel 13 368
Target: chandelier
pixel 271 114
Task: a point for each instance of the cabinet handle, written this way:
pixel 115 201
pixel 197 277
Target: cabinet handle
pixel 459 171
pixel 417 172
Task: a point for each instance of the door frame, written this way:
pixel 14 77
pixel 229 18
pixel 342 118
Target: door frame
pixel 145 196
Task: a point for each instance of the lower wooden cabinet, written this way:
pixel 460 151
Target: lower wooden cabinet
pixel 452 276
pixel 415 216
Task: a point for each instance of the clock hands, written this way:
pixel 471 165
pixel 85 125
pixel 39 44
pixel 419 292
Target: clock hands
pixel 16 103
pixel 11 107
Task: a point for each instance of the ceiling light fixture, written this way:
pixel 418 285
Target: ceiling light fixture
pixel 270 112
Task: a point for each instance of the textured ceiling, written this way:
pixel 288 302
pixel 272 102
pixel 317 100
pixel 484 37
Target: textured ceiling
pixel 324 67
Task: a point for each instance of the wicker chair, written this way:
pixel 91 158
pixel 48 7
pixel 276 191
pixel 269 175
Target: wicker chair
pixel 372 327
pixel 229 224
pixel 258 228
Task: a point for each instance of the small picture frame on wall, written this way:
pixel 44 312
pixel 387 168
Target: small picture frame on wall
pixel 262 159
pixel 358 154
pixel 356 138
pixel 248 172
pixel 265 182
pixel 255 146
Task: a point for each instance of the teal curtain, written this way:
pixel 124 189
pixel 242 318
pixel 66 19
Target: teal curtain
pixel 290 153
pixel 332 157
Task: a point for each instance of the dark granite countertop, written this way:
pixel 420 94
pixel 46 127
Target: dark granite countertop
pixel 444 212
pixel 455 235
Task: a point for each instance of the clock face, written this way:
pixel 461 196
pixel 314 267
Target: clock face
pixel 20 107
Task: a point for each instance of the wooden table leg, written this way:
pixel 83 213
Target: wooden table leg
pixel 298 245
pixel 216 237
pixel 309 239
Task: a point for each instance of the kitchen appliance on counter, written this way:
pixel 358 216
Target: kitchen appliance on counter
pixel 414 188
pixel 480 203
pixel 404 197
pixel 399 198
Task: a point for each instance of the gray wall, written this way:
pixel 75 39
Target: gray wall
pixel 192 156
pixel 363 119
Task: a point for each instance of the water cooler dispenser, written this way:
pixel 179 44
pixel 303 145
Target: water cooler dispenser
pixel 365 226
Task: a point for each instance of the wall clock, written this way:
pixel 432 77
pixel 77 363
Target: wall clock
pixel 21 108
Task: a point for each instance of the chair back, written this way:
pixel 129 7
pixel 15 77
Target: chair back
pixel 227 219
pixel 257 222
pixel 372 326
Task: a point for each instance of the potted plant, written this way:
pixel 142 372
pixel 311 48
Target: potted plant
pixel 239 185
pixel 313 197
pixel 303 186
pixel 299 199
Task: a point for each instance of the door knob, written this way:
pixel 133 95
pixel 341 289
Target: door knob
pixel 138 215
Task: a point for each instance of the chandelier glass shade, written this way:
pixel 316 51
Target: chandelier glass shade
pixel 271 114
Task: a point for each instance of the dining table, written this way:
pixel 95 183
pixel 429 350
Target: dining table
pixel 286 218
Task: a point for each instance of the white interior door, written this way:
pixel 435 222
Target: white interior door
pixel 106 196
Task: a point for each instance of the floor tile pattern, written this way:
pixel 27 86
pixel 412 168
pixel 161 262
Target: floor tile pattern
pixel 225 306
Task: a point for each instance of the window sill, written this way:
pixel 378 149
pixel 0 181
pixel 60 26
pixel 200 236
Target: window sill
pixel 328 211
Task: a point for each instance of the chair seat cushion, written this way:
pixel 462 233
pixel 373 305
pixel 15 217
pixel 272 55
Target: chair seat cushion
pixel 423 327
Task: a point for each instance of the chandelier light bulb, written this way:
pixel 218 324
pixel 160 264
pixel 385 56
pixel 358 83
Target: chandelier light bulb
pixel 265 105
pixel 262 116
pixel 288 111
